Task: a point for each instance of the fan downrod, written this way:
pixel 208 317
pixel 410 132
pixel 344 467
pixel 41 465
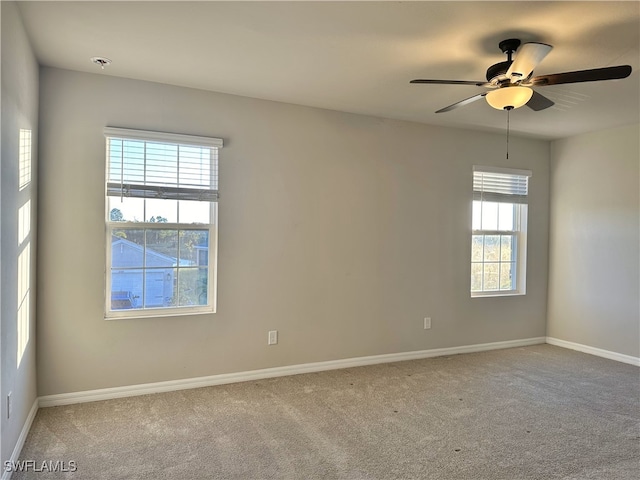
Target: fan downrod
pixel 508 47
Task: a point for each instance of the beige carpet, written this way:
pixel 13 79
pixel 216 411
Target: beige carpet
pixel 538 412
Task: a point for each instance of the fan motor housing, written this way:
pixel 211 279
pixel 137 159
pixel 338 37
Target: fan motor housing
pixel 498 69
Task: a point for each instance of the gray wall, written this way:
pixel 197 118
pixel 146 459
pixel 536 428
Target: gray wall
pixel 594 240
pixel 19 111
pixel 340 231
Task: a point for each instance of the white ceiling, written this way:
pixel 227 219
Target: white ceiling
pixel 356 56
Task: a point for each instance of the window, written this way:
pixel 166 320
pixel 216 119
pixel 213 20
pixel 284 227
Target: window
pixel 499 238
pixel 161 223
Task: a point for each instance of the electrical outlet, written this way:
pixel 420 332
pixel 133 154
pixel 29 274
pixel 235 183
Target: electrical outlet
pixel 427 323
pixel 9 405
pixel 273 337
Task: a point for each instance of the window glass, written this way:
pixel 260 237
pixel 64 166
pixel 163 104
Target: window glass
pixel 491 248
pixel 506 248
pixel 489 216
pixel 194 212
pixel 161 211
pixel 491 276
pixel 506 216
pixel 126 209
pixel 192 286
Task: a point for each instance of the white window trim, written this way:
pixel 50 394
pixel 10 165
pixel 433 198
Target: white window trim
pixel 163 137
pixel 503 170
pixel 211 227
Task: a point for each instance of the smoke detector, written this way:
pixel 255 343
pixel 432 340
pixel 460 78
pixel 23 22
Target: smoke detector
pixel 102 61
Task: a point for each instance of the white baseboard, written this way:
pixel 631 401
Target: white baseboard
pixel 619 357
pixel 21 439
pixel 173 385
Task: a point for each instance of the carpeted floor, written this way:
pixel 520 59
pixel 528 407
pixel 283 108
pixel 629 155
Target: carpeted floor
pixel 538 412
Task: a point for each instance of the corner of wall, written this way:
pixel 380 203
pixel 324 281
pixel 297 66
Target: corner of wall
pixel 594 274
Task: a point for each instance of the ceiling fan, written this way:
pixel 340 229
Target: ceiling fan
pixel 511 81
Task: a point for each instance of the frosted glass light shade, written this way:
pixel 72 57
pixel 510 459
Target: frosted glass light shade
pixel 505 97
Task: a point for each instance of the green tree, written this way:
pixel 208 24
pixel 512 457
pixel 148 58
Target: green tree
pixel 115 215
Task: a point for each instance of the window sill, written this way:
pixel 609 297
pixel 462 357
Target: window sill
pixel 497 294
pixel 160 313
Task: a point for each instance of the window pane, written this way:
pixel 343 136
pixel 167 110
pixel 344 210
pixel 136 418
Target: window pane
pixel 491 248
pixel 126 289
pixel 476 248
pixel 126 210
pixel 194 246
pixel 507 276
pixel 491 274
pixel 505 216
pixel 161 211
pixel 162 248
pixel 194 212
pixel 506 248
pixel 476 277
pixel 158 287
pixel 476 215
pixel 192 286
pixel 489 216
pixel 127 248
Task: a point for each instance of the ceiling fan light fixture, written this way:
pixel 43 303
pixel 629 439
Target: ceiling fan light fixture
pixel 509 97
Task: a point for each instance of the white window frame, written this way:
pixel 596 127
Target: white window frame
pixel 211 228
pixel 519 233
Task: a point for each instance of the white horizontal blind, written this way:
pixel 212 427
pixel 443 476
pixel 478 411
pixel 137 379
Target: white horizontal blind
pixel 501 185
pixel 163 166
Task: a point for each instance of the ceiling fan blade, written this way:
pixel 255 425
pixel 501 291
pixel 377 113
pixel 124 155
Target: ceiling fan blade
pixel 462 103
pixel 527 59
pixel 593 75
pixel 539 102
pixel 448 82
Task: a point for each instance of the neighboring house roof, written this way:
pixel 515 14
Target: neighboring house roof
pixel 160 258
